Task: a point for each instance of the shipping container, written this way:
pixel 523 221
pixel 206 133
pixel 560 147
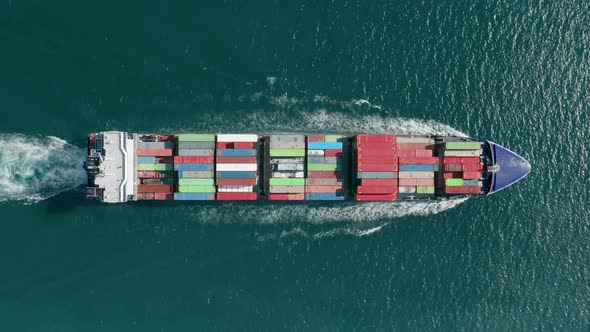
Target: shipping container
pixel 237 196
pixel 419 160
pixel 196 182
pixel 472 167
pixel 472 175
pixel 333 153
pixel 196 145
pixel 463 190
pixel 451 175
pixel 324 145
pixel 418 168
pixel 243 145
pixel 415 146
pixel 224 145
pixel 287 145
pixel 463 145
pixel 146 160
pixel 375 138
pixel 289 138
pixel 168 181
pixel 236 175
pixel 287 182
pixel 377 175
pixel 406 190
pixel 237 138
pixel 154 188
pixel 324 182
pixel 196 152
pixel 424 153
pixel 236 152
pixel 377 167
pixel 193 159
pixel 324 197
pixel 376 145
pixel 163 196
pixel 414 139
pixel 335 138
pixel 463 153
pixel 289 167
pixel 316 138
pixel 325 167
pixel 378 182
pixel 236 160
pixel 278 197
pixel 236 167
pixel 324 189
pixel 362 152
pixel 470 160
pixel 155 167
pixel 325 160
pixel 477 183
pixel 155 145
pixel 425 190
pixel 196 189
pixel 315 152
pixel 376 197
pixel 416 182
pixel 155 152
pixel 376 189
pixel 235 189
pixel 286 174
pixel 416 175
pixel 193 167
pixel 236 182
pixel 287 189
pixel 453 182
pixel 154 174
pixel 451 160
pixel 377 159
pixel 194 196
pixel 196 138
pixel 287 152
pixel 146 196
pixel 195 174
pixel 453 168
pixel 324 174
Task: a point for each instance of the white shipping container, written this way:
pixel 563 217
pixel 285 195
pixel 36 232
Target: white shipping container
pixel 414 139
pixel 289 167
pixel 237 138
pixel 407 190
pixel 235 189
pixel 236 167
pixel 288 174
pixel 416 175
pixel 286 160
pixel 315 152
pixel 463 153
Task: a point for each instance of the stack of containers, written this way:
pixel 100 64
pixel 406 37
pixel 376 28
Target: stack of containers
pixel 237 167
pixel 154 169
pixel 463 167
pixel 417 166
pixel 195 167
pixel 287 158
pixel 377 164
pixel 326 167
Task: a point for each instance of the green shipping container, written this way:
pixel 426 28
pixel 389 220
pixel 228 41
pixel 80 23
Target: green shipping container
pixel 335 138
pixel 146 167
pixel 196 182
pixel 454 182
pixel 425 190
pixel 196 138
pixel 163 167
pixel 196 189
pixel 287 182
pixel 287 152
pixel 463 145
pixel 325 167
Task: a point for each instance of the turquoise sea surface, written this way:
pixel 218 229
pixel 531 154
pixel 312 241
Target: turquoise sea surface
pixel 514 72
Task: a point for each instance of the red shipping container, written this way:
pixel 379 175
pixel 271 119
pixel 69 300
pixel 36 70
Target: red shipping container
pixel 332 153
pixel 453 168
pixel 147 174
pixel 379 182
pixel 451 160
pixel 154 188
pixel 243 145
pixel 377 159
pixel 470 160
pixel 472 167
pixel 375 138
pixel 324 189
pixel 416 182
pixel 225 145
pixel 237 196
pixel 419 160
pixel 145 196
pixel 377 167
pixel 278 197
pixel 323 174
pixel 376 145
pixel 377 190
pixel 415 146
pixel 424 153
pixel 376 152
pixel 463 190
pixel 316 138
pixel 193 160
pixel 236 182
pixel 237 160
pixel 164 196
pixel 453 175
pixel 472 175
pixel 407 153
pixel 376 197
pixel 155 152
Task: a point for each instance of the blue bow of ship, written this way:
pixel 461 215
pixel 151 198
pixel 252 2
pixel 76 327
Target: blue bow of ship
pixel 124 167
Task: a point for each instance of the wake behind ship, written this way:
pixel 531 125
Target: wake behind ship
pixel 125 167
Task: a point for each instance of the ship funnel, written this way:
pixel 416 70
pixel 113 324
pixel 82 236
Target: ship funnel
pixel 510 167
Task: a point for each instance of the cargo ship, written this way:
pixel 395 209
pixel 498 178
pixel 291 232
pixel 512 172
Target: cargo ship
pixel 124 167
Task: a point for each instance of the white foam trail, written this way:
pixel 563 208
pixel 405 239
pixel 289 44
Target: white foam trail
pixel 33 169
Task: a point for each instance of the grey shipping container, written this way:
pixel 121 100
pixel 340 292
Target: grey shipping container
pixel 195 174
pixel 155 145
pixel 377 175
pixel 289 167
pixel 287 189
pixel 196 145
pixel 287 145
pixel 287 138
pixel 195 152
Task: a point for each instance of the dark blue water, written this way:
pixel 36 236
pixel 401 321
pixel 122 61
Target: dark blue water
pixel 516 72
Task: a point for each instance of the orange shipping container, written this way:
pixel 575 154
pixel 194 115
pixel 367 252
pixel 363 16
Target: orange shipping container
pixel 324 189
pixel 155 152
pixel 154 188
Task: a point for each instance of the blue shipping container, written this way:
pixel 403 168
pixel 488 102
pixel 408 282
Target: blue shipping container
pixel 236 175
pixel 193 167
pixel 194 197
pixel 324 145
pixel 418 168
pixel 236 152
pixel 146 160
pixel 324 197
